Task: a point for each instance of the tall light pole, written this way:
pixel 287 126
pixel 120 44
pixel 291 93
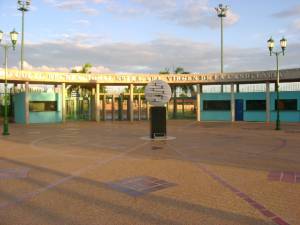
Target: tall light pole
pixel 222 13
pixel 6 46
pixel 23 7
pixel 283 44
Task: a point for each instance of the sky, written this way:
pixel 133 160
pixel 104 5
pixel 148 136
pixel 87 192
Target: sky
pixel 147 36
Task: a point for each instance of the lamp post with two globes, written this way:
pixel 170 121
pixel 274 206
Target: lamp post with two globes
pixel 6 46
pixel 283 44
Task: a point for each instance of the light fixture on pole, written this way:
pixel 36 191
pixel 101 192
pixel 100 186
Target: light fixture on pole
pixel 6 46
pixel 23 7
pixel 222 13
pixel 283 44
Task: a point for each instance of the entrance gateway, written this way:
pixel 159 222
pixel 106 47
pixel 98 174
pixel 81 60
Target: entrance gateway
pixel 61 104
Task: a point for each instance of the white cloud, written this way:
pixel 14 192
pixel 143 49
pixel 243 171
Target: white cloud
pixel 100 69
pixel 121 10
pixel 153 56
pixel 291 12
pixel 190 13
pixel 82 22
pixel 28 66
pixel 78 5
pixel 296 24
pixel 94 69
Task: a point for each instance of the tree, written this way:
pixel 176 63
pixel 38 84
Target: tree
pixel 165 71
pixel 184 88
pixel 136 89
pixel 86 68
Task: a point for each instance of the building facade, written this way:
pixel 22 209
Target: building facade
pixel 78 96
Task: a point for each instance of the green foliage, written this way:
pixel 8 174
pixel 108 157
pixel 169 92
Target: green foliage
pixel 184 88
pixel 179 70
pixel 136 89
pixel 85 69
pixel 165 71
pixel 103 89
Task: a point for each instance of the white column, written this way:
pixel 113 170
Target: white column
pixel 198 104
pixel 232 103
pixel 63 102
pixel 139 107
pixel 131 102
pixel 268 102
pixel 97 103
pixel 26 103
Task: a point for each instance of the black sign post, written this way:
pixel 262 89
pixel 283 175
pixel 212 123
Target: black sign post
pixel 158 122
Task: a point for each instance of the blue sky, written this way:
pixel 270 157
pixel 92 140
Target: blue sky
pixel 147 36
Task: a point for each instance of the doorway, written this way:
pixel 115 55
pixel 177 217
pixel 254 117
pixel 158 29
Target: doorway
pixel 239 110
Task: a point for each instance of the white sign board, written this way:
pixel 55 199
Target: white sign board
pixel 158 93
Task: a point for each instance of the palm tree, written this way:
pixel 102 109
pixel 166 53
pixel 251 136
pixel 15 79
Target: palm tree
pixel 178 70
pixel 184 88
pixel 165 71
pixel 86 68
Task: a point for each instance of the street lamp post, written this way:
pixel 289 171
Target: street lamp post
pixel 283 44
pixel 6 46
pixel 222 13
pixel 23 7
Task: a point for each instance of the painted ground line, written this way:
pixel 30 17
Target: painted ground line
pixel 254 204
pixel 73 175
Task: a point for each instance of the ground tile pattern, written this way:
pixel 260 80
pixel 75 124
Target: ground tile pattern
pixel 220 171
pixel 137 186
pixel 288 177
pixel 13 173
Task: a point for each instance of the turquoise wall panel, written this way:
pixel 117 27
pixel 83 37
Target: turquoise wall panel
pixel 19 106
pixel 285 116
pixel 260 116
pixel 215 115
pixel 253 116
pixel 37 117
pixel 46 117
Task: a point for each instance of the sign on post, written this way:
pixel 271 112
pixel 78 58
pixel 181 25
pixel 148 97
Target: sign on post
pixel 158 93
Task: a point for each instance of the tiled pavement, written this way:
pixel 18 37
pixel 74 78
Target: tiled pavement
pixel 289 177
pixel 138 186
pixel 90 174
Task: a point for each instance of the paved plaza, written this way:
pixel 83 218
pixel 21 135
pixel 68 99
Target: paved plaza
pixel 88 173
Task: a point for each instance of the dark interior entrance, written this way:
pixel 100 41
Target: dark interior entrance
pixel 78 104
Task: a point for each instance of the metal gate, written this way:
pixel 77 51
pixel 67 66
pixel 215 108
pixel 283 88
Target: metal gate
pixel 78 108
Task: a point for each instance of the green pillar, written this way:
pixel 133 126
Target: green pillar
pixel 120 108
